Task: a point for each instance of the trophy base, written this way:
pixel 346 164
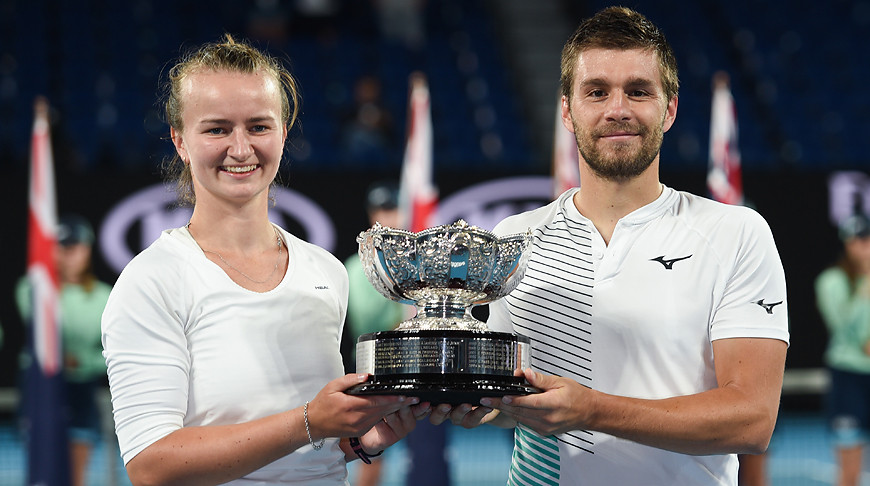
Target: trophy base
pixel 438 391
pixel 443 366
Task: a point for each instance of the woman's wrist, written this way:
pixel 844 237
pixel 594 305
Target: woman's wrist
pixel 357 447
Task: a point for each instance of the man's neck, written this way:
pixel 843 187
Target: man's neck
pixel 604 201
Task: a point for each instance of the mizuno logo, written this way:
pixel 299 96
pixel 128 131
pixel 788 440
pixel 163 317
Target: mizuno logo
pixel 668 264
pixel 768 307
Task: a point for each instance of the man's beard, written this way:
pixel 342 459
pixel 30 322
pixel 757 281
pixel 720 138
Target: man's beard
pixel 623 162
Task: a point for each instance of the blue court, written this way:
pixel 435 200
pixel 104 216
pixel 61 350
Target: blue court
pixel 800 454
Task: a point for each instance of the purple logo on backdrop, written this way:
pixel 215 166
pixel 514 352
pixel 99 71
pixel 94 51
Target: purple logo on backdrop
pixel 139 219
pixel 844 188
pixel 485 204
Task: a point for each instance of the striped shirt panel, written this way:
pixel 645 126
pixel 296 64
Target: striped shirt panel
pixel 553 306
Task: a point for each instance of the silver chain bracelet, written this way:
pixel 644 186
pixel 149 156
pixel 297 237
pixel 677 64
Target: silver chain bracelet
pixel 308 430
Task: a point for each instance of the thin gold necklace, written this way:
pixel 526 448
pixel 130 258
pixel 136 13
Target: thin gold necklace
pixel 269 277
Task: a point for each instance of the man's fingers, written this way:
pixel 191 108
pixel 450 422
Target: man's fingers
pixel 440 413
pixel 421 410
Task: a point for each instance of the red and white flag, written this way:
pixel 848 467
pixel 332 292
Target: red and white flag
pixel 41 242
pixel 566 159
pixel 724 179
pixel 418 197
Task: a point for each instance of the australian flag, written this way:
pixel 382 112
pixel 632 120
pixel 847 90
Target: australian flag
pixel 43 406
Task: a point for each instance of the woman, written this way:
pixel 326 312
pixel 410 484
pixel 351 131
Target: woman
pixel 843 298
pixel 82 300
pixel 222 337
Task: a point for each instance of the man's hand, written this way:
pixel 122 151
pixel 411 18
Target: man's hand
pixel 557 409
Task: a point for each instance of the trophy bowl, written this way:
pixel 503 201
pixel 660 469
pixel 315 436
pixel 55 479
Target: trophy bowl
pixel 443 354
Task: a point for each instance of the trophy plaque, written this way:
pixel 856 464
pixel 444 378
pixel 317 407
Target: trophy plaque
pixel 443 354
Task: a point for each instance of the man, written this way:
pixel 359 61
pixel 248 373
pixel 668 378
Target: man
pixel 658 318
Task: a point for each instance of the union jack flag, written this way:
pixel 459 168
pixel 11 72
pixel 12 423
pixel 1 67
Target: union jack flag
pixel 418 197
pixel 724 179
pixel 566 159
pixel 44 397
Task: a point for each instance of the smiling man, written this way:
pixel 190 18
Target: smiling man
pixel 658 318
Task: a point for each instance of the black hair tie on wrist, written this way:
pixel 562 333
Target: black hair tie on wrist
pixel 357 447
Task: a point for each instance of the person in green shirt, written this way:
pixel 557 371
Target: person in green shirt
pixel 368 310
pixel 82 300
pixel 843 300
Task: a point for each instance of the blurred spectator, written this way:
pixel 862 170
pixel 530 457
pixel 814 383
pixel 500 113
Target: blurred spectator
pixel 367 127
pixel 368 310
pixel 82 300
pixel 843 299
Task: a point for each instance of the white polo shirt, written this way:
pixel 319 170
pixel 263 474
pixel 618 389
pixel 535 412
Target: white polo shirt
pixel 637 318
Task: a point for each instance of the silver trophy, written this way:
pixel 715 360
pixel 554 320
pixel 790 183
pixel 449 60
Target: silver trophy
pixel 443 354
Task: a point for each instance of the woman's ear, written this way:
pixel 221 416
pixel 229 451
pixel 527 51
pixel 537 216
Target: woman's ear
pixel 178 141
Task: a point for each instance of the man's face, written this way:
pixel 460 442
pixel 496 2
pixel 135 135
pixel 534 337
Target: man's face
pixel 618 111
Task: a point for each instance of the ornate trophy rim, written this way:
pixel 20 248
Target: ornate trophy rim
pixel 443 354
pixel 414 268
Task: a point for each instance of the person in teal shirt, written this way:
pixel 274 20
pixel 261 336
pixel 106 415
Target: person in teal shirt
pixel 82 300
pixel 843 300
pixel 368 310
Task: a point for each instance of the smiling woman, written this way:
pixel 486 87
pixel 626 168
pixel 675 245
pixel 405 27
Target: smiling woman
pixel 222 337
pixel 232 135
pixel 240 59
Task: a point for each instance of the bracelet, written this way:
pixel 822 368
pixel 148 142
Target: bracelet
pixel 357 447
pixel 308 430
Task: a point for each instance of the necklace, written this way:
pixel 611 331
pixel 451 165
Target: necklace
pixel 269 277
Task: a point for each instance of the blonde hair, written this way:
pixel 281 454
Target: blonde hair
pixel 228 55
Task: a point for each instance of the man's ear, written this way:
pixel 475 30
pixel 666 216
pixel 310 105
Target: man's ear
pixel 670 114
pixel 566 114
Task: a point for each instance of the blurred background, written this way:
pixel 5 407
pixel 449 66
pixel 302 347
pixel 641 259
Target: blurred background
pixel 493 70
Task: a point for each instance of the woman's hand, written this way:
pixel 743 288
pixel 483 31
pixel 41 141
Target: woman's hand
pixel 393 428
pixel 334 413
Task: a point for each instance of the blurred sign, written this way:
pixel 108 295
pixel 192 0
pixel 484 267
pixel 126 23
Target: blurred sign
pixel 845 191
pixel 485 204
pixel 136 221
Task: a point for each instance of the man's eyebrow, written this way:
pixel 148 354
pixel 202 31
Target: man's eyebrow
pixel 594 82
pixel 640 82
pixel 632 82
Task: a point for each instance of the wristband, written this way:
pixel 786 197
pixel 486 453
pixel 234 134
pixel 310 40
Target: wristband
pixel 357 447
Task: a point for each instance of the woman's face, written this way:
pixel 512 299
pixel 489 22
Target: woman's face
pixel 72 262
pixel 233 135
pixel 858 251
